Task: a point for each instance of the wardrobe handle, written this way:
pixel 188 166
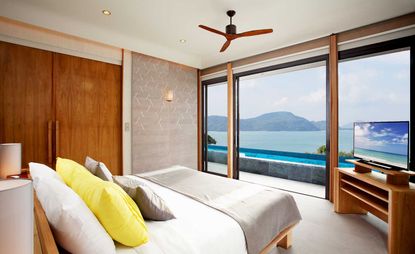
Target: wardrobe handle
pixel 50 127
pixel 57 138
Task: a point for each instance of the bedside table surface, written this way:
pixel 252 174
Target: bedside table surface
pixel 23 175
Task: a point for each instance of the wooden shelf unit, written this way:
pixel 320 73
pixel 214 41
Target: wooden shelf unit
pixel 359 193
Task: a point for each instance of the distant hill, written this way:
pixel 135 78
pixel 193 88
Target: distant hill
pixel 217 123
pixel 276 121
pixel 321 125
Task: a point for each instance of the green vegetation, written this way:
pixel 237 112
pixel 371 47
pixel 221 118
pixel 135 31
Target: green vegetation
pixel 322 150
pixel 345 154
pixel 211 141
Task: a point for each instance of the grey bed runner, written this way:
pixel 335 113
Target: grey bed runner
pixel 261 212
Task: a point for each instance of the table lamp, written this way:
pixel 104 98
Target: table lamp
pixel 10 159
pixel 16 216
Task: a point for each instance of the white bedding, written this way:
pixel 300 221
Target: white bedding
pixel 198 229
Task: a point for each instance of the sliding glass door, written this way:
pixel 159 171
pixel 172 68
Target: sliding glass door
pixel 281 130
pixel 282 127
pixel 215 131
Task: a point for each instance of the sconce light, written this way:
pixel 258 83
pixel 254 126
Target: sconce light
pixel 168 96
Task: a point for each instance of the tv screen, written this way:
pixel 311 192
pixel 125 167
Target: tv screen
pixel 382 142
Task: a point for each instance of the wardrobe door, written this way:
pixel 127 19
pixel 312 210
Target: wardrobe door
pixel 26 100
pixel 88 110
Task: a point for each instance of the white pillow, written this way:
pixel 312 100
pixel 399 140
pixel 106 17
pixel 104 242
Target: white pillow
pixel 38 170
pixel 74 226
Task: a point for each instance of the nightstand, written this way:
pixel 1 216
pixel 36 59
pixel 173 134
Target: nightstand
pixel 23 175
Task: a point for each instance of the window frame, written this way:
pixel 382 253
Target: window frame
pixel 362 51
pixel 205 85
pixel 304 61
pixel 386 47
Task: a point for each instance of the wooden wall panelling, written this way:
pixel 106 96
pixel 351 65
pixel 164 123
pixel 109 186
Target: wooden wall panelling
pixel 230 121
pixel 334 109
pixel 25 99
pixel 88 107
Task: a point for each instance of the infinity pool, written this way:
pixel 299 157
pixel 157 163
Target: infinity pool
pixel 303 158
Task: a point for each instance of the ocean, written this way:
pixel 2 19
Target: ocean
pixel 289 141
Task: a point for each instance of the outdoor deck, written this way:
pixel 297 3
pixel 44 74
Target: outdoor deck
pixel 275 182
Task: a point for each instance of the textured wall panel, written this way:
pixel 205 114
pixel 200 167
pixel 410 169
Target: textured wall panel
pixel 163 133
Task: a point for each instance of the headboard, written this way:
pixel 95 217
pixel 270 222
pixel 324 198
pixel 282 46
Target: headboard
pixel 43 240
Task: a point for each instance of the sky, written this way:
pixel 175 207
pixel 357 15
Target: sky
pixel 384 137
pixel 370 89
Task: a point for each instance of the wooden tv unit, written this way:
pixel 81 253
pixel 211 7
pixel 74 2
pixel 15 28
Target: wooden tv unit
pixel 387 196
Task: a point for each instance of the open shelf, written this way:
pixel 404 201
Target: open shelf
pixel 378 205
pixel 369 189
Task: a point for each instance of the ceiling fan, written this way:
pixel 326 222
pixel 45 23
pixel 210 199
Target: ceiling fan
pixel 231 31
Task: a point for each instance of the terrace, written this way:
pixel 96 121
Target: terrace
pixel 297 172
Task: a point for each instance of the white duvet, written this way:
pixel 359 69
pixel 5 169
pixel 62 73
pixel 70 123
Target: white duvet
pixel 197 229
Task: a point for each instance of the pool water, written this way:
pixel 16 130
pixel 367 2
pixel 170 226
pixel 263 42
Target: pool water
pixel 303 158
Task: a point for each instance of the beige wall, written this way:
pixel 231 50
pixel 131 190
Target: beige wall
pixel 163 133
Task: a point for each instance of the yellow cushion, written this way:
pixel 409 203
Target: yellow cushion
pixel 116 211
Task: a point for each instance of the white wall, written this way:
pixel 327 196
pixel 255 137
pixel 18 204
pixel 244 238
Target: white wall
pixel 35 37
pixel 126 112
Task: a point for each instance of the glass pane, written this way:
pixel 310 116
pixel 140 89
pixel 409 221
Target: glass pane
pixel 217 128
pixel 283 129
pixel 375 88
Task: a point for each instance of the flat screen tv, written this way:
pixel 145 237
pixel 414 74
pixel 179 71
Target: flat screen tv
pixel 382 143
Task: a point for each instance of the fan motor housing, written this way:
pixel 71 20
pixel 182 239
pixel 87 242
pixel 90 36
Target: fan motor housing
pixel 231 29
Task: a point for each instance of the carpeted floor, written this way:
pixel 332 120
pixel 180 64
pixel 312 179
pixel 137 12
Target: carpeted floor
pixel 322 231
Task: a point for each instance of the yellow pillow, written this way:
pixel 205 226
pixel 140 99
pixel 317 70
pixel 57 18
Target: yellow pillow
pixel 116 211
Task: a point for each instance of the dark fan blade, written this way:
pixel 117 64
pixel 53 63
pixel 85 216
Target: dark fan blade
pixel 255 32
pixel 212 30
pixel 225 46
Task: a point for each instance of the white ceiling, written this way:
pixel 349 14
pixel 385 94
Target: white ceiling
pixel 154 27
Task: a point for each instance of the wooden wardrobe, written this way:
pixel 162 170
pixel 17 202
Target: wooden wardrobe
pixel 58 105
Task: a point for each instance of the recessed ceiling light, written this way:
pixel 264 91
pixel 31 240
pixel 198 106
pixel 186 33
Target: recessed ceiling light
pixel 106 12
pixel 182 41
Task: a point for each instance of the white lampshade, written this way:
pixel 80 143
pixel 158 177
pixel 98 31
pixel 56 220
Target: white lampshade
pixel 16 216
pixel 10 159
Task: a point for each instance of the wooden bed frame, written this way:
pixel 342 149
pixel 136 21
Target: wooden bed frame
pixel 44 243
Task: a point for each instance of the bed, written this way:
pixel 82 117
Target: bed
pixel 199 228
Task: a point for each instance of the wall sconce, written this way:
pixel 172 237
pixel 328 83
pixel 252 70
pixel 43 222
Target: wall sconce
pixel 169 95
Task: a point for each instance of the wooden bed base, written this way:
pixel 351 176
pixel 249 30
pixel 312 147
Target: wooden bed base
pixel 283 240
pixel 44 243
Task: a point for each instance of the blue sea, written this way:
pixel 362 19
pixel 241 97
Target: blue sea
pixel 389 158
pixel 289 141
